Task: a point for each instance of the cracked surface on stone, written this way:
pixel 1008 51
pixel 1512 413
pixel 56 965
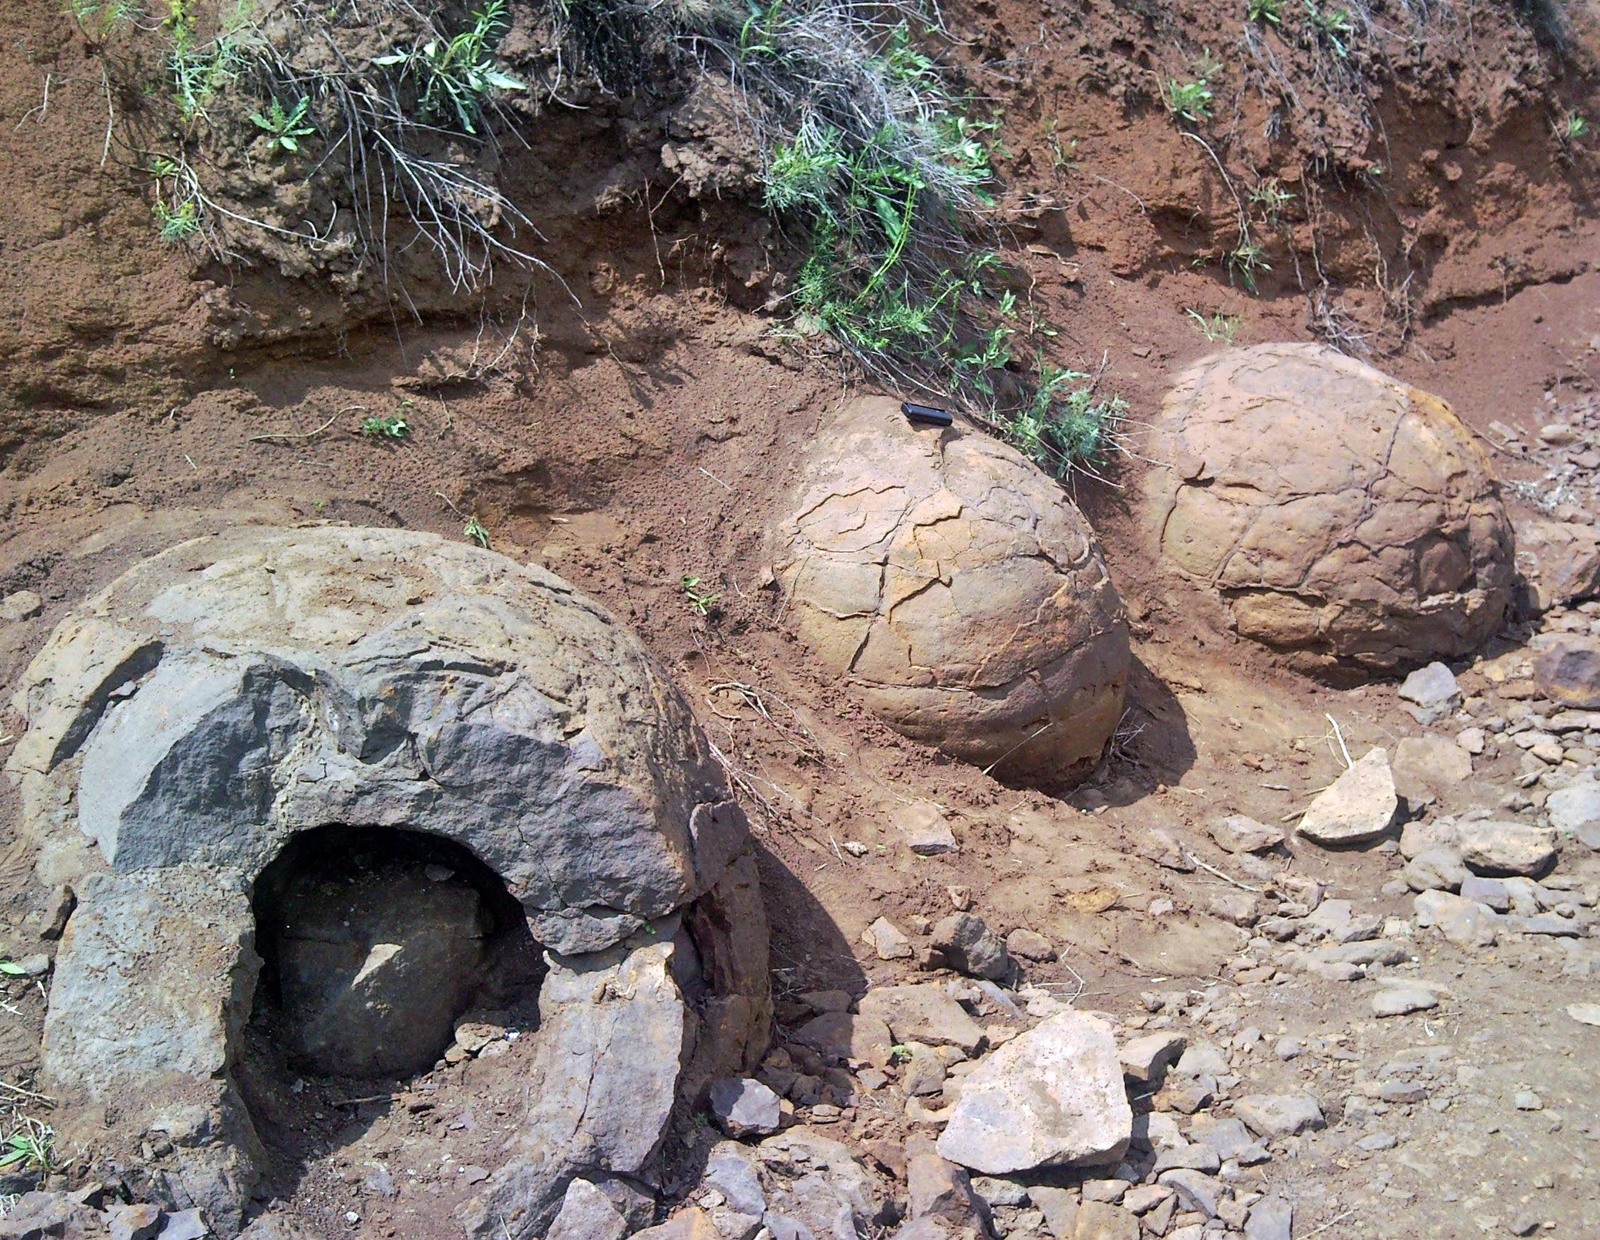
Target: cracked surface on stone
pixel 958 590
pixel 1343 517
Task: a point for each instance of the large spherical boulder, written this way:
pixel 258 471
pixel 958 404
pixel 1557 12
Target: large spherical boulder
pixel 222 705
pixel 957 590
pixel 1344 518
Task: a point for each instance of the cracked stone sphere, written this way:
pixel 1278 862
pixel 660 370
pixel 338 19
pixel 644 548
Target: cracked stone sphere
pixel 956 589
pixel 1343 518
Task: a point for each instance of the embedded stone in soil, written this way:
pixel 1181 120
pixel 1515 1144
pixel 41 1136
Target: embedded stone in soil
pixel 1341 517
pixel 958 591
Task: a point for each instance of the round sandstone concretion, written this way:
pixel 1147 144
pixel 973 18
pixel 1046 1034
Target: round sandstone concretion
pixel 1343 517
pixel 957 590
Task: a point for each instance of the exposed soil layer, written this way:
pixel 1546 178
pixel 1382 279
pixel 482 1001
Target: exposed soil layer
pixel 648 432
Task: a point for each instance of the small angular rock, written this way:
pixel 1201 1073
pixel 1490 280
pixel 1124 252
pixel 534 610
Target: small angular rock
pixel 744 1107
pixel 1279 1115
pixel 1358 808
pixel 887 939
pixel 971 947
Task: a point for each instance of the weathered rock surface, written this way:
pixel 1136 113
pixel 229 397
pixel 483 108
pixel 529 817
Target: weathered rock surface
pixel 587 1214
pixel 1568 671
pixel 218 700
pixel 957 590
pixel 1576 806
pixel 923 1013
pixel 1279 1115
pixel 1342 517
pixel 1052 1096
pixel 744 1107
pixel 1506 847
pixel 1357 808
pixel 1427 768
pixel 971 947
pixel 1560 560
pixel 1463 922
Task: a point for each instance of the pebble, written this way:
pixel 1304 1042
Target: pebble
pixel 1401 999
pixel 1527 1100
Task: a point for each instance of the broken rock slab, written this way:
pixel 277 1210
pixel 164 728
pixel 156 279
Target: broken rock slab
pixel 887 940
pixel 1500 848
pixel 923 1013
pixel 1358 808
pixel 744 1107
pixel 1279 1115
pixel 1568 672
pixel 1463 922
pixel 1239 833
pixel 1575 807
pixel 1428 768
pixel 1052 1096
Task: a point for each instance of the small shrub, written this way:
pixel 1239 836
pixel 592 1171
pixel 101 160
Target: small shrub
pixel 1270 11
pixel 1067 426
pixel 700 602
pixel 1245 261
pixel 30 1147
pixel 285 128
pixel 476 531
pixel 392 427
pixel 1189 101
pixel 459 73
pixel 1334 26
pixel 1574 128
pixel 177 223
pixel 1218 327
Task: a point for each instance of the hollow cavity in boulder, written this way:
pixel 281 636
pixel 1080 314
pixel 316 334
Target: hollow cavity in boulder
pixel 375 942
pixel 342 785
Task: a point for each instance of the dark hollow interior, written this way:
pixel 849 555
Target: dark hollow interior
pixel 376 941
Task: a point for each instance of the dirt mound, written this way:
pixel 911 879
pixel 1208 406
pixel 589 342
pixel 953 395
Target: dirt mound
pixel 1345 519
pixel 958 593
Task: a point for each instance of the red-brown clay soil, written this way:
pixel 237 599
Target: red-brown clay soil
pixel 148 395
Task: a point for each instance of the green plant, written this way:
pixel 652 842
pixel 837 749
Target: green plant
pixel 1245 260
pixel 177 223
pixel 458 73
pixel 1334 25
pixel 285 127
pixel 1270 198
pixel 700 602
pixel 1189 101
pixel 1218 327
pixel 392 426
pixel 31 1147
pixel 1573 129
pixel 476 531
pixel 1067 426
pixel 198 69
pixel 12 969
pixel 1265 11
pixel 98 18
pixel 899 1053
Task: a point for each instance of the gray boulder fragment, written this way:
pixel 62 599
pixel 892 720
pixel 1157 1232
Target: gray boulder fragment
pixel 587 1214
pixel 1575 807
pixel 1279 1115
pixel 923 1013
pixel 971 947
pixel 1496 848
pixel 1052 1096
pixel 744 1107
pixel 1433 690
pixel 1271 1218
pixel 1463 922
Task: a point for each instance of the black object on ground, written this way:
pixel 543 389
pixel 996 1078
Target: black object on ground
pixel 926 414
